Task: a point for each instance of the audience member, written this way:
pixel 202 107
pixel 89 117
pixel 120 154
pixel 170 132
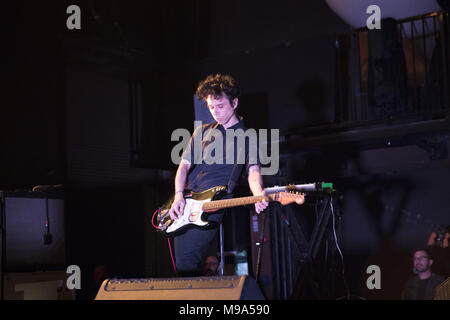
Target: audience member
pixel 211 266
pixel 423 285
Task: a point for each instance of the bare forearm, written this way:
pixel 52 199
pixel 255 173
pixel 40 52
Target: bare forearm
pixel 255 181
pixel 177 208
pixel 181 176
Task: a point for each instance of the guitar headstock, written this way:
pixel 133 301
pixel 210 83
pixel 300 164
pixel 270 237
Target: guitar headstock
pixel 287 197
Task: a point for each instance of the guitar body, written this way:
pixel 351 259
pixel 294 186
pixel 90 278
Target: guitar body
pixel 193 216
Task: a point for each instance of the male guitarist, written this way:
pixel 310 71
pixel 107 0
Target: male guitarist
pixel 221 94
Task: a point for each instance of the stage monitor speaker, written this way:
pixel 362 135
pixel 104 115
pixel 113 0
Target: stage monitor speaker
pixel 196 288
pixel 34 231
pixel 443 291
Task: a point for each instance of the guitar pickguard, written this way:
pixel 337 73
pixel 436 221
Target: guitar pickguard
pixel 193 214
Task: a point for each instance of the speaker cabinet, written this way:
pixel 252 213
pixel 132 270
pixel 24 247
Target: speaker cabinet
pixel 197 288
pixel 34 231
pixel 45 285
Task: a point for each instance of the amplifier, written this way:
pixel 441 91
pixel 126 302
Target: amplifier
pixel 195 288
pixel 42 285
pixel 34 231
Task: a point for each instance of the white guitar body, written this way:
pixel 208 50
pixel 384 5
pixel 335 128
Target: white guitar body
pixel 192 215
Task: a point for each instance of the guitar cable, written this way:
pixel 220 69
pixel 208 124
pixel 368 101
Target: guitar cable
pixel 153 218
pixel 168 241
pixel 171 256
pixel 339 249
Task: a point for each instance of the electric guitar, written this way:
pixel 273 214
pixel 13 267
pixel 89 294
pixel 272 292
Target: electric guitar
pixel 200 204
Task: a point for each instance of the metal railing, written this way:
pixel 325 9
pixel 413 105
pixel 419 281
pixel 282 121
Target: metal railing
pixel 422 71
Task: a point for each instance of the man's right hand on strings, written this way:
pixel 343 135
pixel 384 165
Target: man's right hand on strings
pixel 177 208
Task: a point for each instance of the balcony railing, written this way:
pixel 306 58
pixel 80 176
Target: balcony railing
pixel 400 71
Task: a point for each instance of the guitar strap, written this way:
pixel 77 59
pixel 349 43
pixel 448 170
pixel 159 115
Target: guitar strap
pixel 208 130
pixel 237 168
pixel 235 174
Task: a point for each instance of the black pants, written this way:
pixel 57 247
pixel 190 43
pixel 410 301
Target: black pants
pixel 191 249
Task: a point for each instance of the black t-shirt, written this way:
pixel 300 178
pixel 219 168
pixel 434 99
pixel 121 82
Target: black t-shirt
pixel 215 152
pixel 417 289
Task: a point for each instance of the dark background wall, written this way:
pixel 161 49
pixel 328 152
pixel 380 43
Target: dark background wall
pixel 69 116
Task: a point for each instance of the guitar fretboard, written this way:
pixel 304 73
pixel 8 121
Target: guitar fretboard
pixel 228 203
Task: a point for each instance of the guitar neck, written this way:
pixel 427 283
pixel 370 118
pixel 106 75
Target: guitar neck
pixel 229 203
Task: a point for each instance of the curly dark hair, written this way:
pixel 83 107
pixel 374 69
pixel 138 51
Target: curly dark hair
pixel 217 84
